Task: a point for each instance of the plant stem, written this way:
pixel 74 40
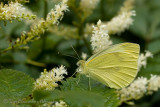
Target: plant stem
pixel 45 15
pixel 81 34
pixel 29 61
pixel 80 24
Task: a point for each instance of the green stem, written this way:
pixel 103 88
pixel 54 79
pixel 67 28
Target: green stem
pixel 5 50
pixel 81 34
pixel 45 16
pixel 80 24
pixel 29 61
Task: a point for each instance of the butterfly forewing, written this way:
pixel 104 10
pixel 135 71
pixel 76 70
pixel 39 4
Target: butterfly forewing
pixel 115 66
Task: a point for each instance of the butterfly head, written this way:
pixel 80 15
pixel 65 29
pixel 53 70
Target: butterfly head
pixel 81 65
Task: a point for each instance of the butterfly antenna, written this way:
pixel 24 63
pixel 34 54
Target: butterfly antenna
pixel 68 55
pixel 75 52
pixel 74 74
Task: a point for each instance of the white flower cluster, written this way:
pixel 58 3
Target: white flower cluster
pixel 14 11
pixel 57 104
pixel 88 5
pixel 100 38
pixel 41 25
pixel 142 61
pixel 48 80
pixel 60 104
pixel 119 23
pixel 123 20
pixel 140 87
pixel 154 84
pixel 57 13
pixel 127 6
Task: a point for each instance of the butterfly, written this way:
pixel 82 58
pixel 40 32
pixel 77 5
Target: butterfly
pixel 116 66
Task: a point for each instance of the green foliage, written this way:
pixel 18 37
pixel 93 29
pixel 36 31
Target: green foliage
pixel 78 94
pixel 154 46
pixel 152 67
pixel 82 82
pixel 14 85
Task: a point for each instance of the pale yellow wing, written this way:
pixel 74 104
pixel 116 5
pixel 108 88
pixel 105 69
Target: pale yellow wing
pixel 115 66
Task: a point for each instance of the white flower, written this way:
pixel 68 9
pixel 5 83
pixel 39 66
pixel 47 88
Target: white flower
pixel 84 56
pixel 127 6
pixel 135 91
pixel 14 11
pixel 58 12
pixel 139 88
pixel 142 61
pixel 100 38
pixel 154 84
pixel 119 23
pixel 60 104
pixel 123 20
pixel 48 80
pixel 88 5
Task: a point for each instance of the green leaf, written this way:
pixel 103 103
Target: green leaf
pixel 14 85
pixel 82 83
pixel 154 47
pixel 79 95
pixel 75 98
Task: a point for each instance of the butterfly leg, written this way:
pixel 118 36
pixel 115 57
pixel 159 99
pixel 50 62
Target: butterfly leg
pixel 89 83
pixel 79 79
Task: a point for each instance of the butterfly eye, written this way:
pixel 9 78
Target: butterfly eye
pixel 78 63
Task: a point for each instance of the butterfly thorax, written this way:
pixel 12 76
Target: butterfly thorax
pixel 81 65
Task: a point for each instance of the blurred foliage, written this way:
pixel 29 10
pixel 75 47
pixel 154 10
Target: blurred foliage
pixel 52 50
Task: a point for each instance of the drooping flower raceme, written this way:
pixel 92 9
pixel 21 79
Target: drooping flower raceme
pixel 140 87
pixel 87 6
pixel 142 61
pixel 127 6
pixel 123 20
pixel 135 91
pixel 119 23
pixel 154 84
pixel 13 11
pixel 57 13
pixel 48 80
pixel 100 38
pixel 41 25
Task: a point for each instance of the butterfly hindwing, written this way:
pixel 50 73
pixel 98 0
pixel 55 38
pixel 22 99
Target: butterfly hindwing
pixel 116 66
